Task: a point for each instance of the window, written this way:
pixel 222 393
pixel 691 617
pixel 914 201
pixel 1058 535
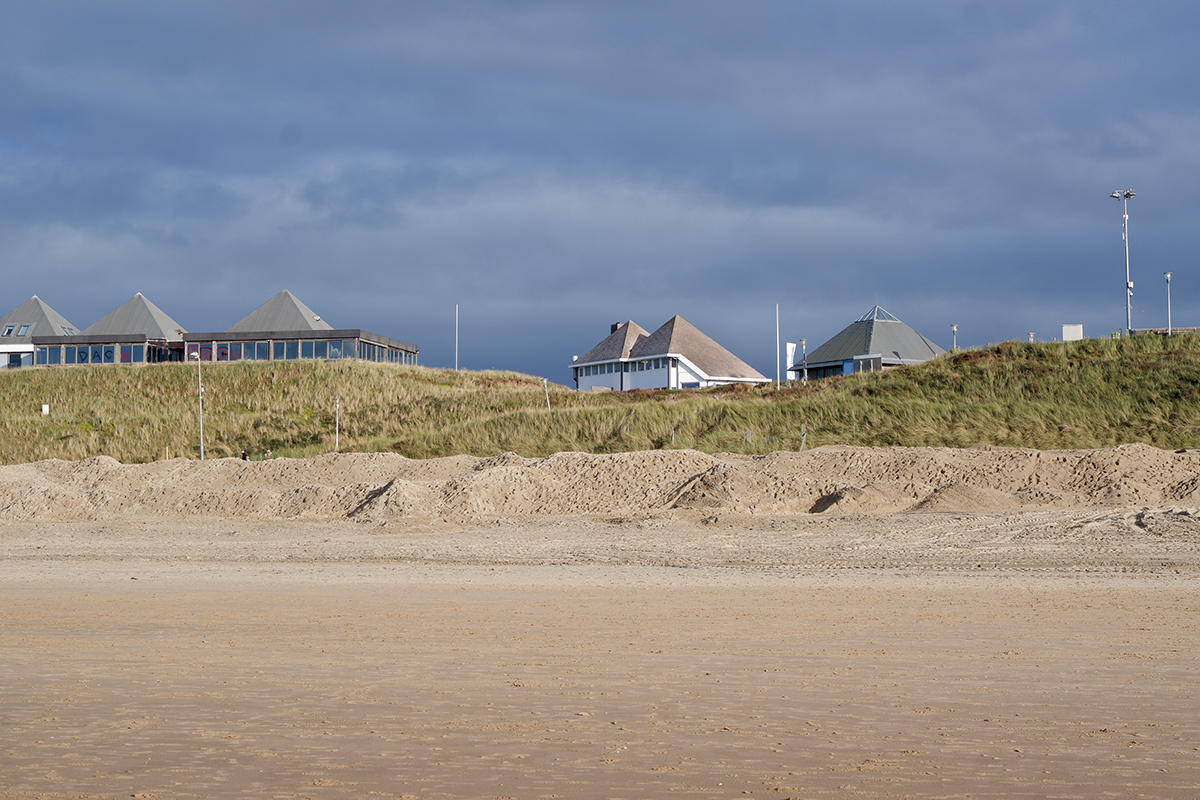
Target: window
pixel 139 353
pixel 41 355
pixel 54 354
pixel 24 330
pixel 321 349
pixel 263 349
pixel 8 329
pixel 306 349
pixel 70 358
pixel 126 354
pixel 278 354
pixel 291 351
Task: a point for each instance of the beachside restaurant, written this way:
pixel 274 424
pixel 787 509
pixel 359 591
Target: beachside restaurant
pixel 294 345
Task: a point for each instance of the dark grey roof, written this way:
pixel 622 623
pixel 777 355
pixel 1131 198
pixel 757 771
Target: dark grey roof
pixel 41 319
pixel 619 344
pixel 283 312
pixel 137 315
pixel 679 337
pixel 875 333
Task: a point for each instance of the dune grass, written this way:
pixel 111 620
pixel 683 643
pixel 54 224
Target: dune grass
pixel 1080 394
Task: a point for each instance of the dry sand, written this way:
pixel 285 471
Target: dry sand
pixel 844 622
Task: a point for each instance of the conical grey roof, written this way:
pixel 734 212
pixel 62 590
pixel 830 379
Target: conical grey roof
pixel 876 333
pixel 283 312
pixel 35 318
pixel 139 316
pixel 618 344
pixel 677 336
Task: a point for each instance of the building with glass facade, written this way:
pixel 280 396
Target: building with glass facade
pixel 137 332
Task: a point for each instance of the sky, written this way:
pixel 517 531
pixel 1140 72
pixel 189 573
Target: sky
pixel 556 167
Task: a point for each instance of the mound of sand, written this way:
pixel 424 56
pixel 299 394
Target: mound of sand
pixel 381 487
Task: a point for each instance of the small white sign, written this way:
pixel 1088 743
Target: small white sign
pixel 1072 333
pixel 45 410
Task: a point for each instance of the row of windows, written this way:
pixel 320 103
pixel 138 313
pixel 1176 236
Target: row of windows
pixel 225 351
pixel 24 329
pixel 98 354
pixel 279 351
pixel 290 351
pixel 628 366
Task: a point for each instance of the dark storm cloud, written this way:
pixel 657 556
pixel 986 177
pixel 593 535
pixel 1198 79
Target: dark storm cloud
pixel 555 167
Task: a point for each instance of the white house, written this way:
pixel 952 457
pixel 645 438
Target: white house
pixel 676 356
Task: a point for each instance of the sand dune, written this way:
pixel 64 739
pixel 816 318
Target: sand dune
pixel 385 487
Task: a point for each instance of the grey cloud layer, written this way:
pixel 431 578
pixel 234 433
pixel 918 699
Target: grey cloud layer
pixel 555 167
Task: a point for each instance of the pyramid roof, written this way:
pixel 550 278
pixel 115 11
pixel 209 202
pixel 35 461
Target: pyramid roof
pixel 137 315
pixel 618 344
pixel 876 333
pixel 679 337
pixel 283 312
pixel 41 319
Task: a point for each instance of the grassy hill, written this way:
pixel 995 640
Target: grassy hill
pixel 1080 394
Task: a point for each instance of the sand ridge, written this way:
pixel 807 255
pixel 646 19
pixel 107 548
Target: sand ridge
pixel 386 487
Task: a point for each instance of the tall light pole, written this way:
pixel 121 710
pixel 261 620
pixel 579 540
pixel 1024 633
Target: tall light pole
pixel 1167 275
pixel 954 337
pixel 200 395
pixel 1123 195
pixel 804 351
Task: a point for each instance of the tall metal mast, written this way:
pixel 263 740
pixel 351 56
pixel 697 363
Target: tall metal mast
pixel 1123 195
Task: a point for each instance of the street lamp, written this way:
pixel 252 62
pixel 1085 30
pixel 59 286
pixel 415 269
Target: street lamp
pixel 1167 275
pixel 804 351
pixel 954 337
pixel 1123 195
pixel 200 396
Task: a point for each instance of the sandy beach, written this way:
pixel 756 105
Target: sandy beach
pixel 847 623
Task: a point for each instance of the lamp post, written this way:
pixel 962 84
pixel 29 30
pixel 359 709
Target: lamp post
pixel 200 398
pixel 804 351
pixel 1123 195
pixel 954 337
pixel 1167 275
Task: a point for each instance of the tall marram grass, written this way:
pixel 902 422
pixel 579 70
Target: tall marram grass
pixel 1080 394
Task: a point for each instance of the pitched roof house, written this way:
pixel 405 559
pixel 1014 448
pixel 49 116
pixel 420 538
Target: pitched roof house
pixel 19 326
pixel 676 356
pixel 873 341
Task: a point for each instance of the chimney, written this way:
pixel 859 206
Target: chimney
pixel 613 330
